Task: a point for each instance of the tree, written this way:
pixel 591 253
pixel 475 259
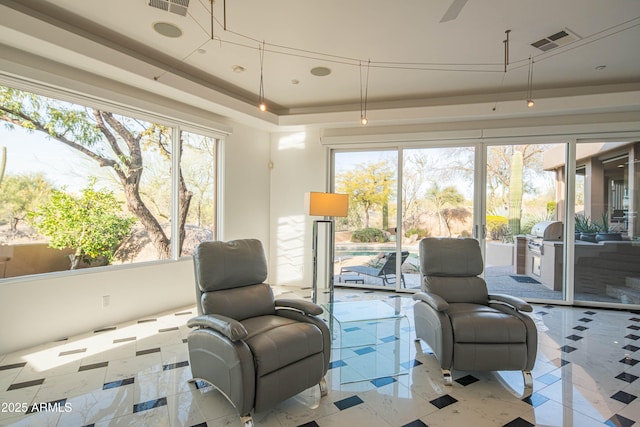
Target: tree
pixel 116 143
pixel 368 185
pixel 92 224
pixel 20 194
pixel 442 197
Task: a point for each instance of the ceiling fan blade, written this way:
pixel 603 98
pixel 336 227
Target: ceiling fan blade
pixel 453 11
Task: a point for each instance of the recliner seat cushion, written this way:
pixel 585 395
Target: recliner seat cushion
pixel 277 342
pixel 474 323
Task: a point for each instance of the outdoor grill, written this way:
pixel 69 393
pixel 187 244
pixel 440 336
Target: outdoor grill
pixel 543 231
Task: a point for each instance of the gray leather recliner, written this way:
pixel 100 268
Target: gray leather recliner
pixel 466 327
pixel 256 350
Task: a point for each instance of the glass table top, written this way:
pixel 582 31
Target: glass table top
pixel 362 311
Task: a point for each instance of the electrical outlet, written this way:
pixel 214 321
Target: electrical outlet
pixel 106 301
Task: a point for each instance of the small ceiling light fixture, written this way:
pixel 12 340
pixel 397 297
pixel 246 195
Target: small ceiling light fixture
pixel 364 94
pixel 261 104
pixel 530 102
pixel 166 29
pixel 320 71
pixel 239 69
pixel 600 67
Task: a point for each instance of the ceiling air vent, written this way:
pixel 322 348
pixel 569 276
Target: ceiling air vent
pixel 179 7
pixel 561 38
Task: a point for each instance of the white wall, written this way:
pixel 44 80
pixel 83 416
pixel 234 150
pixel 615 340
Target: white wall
pixel 299 166
pixel 37 309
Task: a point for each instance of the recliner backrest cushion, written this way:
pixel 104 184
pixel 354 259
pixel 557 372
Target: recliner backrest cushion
pixel 471 290
pixel 240 303
pixel 228 265
pixel 450 257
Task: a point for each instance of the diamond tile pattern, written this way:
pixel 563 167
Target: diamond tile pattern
pixel 138 374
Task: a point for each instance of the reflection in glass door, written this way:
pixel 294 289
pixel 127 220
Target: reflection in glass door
pixel 607 249
pixel 365 241
pixel 524 242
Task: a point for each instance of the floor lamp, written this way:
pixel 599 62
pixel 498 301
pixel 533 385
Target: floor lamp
pixel 329 206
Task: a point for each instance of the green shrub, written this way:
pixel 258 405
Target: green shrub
pixel 368 235
pixel 497 226
pixel 421 232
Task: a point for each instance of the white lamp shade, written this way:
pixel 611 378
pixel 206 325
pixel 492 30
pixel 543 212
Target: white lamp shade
pixel 327 204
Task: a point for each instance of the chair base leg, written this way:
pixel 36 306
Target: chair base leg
pixel 247 421
pixel 324 390
pixel 446 375
pixel 528 383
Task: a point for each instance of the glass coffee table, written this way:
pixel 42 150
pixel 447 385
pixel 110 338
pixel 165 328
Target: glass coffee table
pixel 370 340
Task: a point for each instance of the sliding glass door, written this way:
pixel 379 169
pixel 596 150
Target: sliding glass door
pixel 524 241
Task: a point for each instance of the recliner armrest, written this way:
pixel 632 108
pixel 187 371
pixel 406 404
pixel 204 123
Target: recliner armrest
pixel 300 305
pixel 436 301
pixel 516 302
pixel 227 326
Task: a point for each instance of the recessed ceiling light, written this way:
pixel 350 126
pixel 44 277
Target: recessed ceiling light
pixel 295 82
pixel 166 29
pixel 320 71
pixel 201 51
pixel 238 69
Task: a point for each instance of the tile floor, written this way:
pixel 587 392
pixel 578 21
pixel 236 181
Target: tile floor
pixel 587 374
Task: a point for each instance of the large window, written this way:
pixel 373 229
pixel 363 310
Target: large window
pixel 83 187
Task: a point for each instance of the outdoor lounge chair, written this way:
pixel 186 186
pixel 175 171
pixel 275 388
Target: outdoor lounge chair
pixel 384 268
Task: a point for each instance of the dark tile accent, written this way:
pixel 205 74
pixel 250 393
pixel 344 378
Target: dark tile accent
pixel 310 424
pixel 585 320
pixel 337 364
pixel 625 376
pixel 119 383
pixel 90 425
pixel 564 362
pixel 549 306
pixel 119 340
pixel 46 407
pixel 580 328
pixel 632 337
pixel 393 296
pixel 624 397
pixel 443 401
pixel 574 337
pixel 148 351
pixel 467 380
pixel 348 402
pixel 542 313
pixel 365 350
pixel 175 328
pixel 93 366
pixel 13 366
pixel 67 353
pixel 204 424
pixel 519 422
pixel 380 382
pixel 355 328
pixel 175 365
pixel 634 327
pixel 631 347
pixel 619 421
pixel 629 361
pixel 411 364
pixel 184 313
pixel 567 348
pixel 110 328
pixel 535 400
pixel 155 403
pixel 390 338
pixel 25 384
pixel 548 379
pixel 147 320
pixel 635 319
pixel 590 313
pixel 201 384
pixel 416 423
pixel 184 340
